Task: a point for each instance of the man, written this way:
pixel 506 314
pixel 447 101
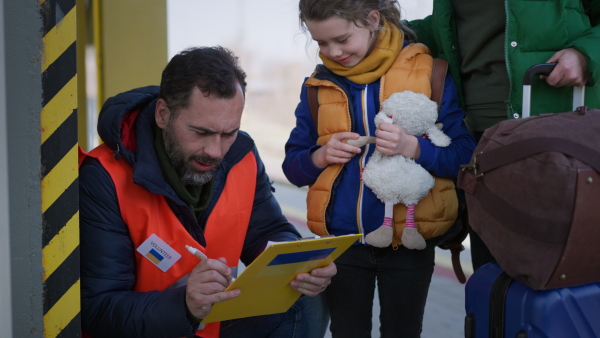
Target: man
pixel 175 170
pixel 490 44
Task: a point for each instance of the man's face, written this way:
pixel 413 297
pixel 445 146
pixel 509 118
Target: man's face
pixel 198 138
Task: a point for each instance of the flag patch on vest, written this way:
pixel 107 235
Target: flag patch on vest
pixel 158 252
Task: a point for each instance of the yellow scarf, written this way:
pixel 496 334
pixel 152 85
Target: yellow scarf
pixel 389 43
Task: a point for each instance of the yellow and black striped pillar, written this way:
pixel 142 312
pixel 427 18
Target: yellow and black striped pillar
pixel 59 172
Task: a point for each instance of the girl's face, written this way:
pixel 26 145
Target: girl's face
pixel 342 40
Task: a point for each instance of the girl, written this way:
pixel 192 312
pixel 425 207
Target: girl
pixel 367 55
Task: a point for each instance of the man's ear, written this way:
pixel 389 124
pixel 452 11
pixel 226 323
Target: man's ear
pixel 162 114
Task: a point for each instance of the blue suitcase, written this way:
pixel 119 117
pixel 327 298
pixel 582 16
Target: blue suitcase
pixel 499 306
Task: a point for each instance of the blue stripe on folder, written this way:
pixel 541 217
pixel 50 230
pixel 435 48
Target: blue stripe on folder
pixel 303 256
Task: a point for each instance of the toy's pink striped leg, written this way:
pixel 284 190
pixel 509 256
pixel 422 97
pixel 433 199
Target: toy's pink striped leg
pixel 410 216
pixel 382 236
pixel 411 238
pixel 388 216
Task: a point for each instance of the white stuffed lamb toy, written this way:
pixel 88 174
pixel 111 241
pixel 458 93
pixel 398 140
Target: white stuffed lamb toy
pixel 397 179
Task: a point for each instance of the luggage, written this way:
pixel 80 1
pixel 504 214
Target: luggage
pixel 532 190
pixel 498 306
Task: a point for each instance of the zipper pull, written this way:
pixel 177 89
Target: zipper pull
pixel 117 154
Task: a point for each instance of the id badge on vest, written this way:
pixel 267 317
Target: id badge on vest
pixel 159 253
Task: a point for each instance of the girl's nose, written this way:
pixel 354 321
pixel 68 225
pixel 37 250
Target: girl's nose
pixel 335 52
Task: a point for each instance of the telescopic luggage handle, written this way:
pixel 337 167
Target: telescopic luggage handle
pixel 545 69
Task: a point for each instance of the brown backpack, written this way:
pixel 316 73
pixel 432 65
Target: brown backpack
pixel 533 188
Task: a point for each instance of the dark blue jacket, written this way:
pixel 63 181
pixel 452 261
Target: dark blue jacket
pixel 109 306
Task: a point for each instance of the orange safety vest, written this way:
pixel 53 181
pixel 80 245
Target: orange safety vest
pixel 412 71
pixel 146 213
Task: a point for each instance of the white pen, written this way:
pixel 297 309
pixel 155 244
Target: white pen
pixel 201 256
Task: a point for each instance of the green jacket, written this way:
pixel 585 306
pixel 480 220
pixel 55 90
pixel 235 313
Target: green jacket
pixel 535 30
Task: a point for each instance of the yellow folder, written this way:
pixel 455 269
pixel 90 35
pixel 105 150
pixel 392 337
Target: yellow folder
pixel 265 284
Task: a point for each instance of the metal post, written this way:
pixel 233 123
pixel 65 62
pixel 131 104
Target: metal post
pixel 6 311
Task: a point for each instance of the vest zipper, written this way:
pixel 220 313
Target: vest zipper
pixel 117 153
pixel 362 162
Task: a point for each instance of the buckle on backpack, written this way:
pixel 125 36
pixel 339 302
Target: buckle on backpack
pixel 472 167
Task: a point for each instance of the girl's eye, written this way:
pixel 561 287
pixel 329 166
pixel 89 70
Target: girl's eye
pixel 321 43
pixel 343 41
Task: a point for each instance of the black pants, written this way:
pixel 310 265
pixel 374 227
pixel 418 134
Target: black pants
pixel 402 276
pixel 480 254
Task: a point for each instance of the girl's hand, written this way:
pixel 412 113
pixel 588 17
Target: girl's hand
pixel 335 150
pixel 392 140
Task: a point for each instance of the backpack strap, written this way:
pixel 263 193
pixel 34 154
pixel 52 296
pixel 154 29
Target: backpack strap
pixel 459 231
pixel 454 244
pixel 313 104
pixel 438 78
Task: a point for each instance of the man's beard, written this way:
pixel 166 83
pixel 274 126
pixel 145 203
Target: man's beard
pixel 184 167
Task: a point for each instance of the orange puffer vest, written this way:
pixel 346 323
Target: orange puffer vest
pixel 410 71
pixel 146 213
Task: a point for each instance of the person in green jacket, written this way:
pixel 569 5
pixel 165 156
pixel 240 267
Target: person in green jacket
pixel 490 44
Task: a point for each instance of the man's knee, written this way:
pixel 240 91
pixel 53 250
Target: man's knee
pixel 312 315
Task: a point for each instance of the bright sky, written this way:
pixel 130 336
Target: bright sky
pixel 267 27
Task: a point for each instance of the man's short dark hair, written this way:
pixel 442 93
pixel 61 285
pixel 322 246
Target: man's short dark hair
pixel 214 70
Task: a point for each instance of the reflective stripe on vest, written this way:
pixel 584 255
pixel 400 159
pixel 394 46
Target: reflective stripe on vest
pixel 146 213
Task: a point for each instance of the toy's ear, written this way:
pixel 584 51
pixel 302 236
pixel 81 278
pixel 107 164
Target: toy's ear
pixel 438 137
pixel 361 141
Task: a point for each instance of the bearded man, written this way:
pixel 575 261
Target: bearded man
pixel 174 171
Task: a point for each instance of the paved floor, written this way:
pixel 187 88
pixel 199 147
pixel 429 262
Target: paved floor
pixel 444 311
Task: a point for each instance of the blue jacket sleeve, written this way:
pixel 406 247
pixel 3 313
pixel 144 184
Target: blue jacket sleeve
pixel 297 165
pixel 109 306
pixel 446 161
pixel 267 222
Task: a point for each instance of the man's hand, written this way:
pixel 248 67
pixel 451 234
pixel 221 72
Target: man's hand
pixel 392 140
pixel 336 150
pixel 206 285
pixel 315 282
pixel 571 69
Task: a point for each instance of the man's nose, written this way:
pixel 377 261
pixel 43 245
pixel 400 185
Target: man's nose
pixel 213 146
